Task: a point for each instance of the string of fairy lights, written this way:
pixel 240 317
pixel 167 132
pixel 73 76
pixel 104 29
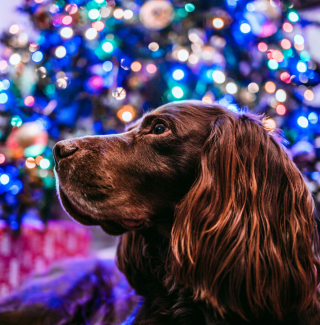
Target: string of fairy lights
pixel 96 65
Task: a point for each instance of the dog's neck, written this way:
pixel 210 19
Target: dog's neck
pixel 177 306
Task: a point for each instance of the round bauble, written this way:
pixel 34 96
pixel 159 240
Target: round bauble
pixel 156 14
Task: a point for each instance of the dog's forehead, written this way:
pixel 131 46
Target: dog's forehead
pixel 179 109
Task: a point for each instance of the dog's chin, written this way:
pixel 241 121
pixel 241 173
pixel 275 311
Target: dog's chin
pixel 75 212
pixel 109 226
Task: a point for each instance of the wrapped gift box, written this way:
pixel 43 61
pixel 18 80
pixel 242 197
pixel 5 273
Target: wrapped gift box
pixel 36 248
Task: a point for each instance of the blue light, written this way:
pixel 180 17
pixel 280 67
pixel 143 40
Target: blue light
pixel 299 40
pixel 233 108
pixel 107 66
pixel 14 189
pixel 177 74
pixel 4 179
pixel 315 176
pixel 3 98
pixel 313 118
pixel 301 66
pixel 245 28
pixel 37 56
pixel 251 7
pixel 232 3
pixel 5 84
pixel 303 122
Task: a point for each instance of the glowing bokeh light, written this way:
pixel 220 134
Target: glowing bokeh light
pixel 4 179
pixel 262 47
pixel 178 74
pixel 153 46
pixel 30 163
pixel 5 84
pixel 29 101
pixel 91 34
pixel 38 159
pixel 193 59
pixel 16 121
pixel 301 66
pixel 107 66
pixel 293 17
pixel 14 29
pixel 135 66
pixel 183 55
pixel 60 52
pixel 105 12
pixel 126 113
pixel 299 40
pixel 71 9
pixel 37 56
pixel 281 95
pixel 94 14
pixel 3 65
pixel 151 68
pixel 98 25
pixel 281 109
pixel 299 47
pixel 177 92
pixel 277 55
pixel 107 47
pixel 245 28
pixel 270 124
pixel 303 122
pixel 273 64
pixel 95 82
pixel 309 95
pixel 44 163
pixel 285 44
pixel 189 7
pixel 231 88
pixel 15 58
pixel 3 98
pixel 218 76
pixel 128 14
pixel 67 20
pixel 66 32
pixel 207 99
pixel 270 87
pixel 313 118
pixel 287 27
pixel 305 56
pixel 286 77
pixel 118 13
pixel 2 158
pixel 217 23
pixel 126 116
pixel 253 87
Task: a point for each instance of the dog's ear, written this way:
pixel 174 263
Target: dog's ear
pixel 244 235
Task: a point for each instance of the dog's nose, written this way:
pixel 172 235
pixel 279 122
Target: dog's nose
pixel 64 149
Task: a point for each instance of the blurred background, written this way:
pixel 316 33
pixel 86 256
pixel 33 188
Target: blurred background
pixel 70 68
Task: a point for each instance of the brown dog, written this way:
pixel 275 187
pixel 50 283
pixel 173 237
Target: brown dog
pixel 218 223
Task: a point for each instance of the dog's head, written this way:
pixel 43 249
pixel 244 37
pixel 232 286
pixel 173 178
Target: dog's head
pixel 239 215
pixel 135 179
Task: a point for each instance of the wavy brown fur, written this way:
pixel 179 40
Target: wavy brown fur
pixel 217 223
pixel 243 236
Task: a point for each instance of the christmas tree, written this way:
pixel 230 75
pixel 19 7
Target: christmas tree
pixel 97 65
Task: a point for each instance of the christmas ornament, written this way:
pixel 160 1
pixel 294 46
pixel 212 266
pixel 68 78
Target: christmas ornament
pixel 156 14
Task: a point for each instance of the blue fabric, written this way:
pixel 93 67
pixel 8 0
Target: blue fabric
pixel 130 319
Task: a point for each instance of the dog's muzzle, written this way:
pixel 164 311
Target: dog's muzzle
pixel 64 149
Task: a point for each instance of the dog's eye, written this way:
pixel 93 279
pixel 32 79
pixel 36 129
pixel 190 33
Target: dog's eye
pixel 159 128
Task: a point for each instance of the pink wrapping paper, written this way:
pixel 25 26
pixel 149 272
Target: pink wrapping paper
pixel 36 248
